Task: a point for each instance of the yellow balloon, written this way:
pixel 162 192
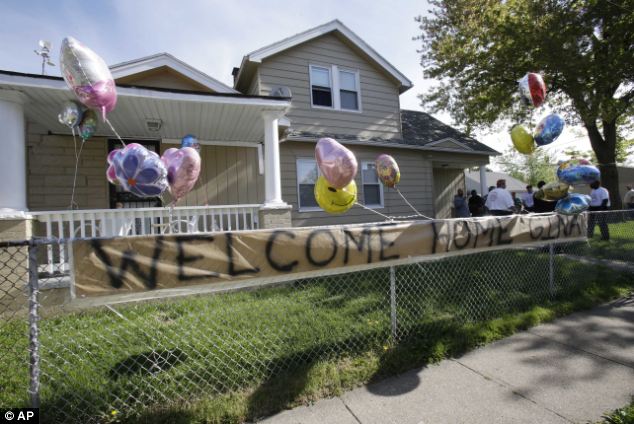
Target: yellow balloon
pixel 522 140
pixel 334 200
pixel 555 191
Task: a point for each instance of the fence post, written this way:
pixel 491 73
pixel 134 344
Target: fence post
pixel 34 342
pixel 551 269
pixel 393 301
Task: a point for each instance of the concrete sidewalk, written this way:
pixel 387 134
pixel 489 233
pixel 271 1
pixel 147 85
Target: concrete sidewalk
pixel 570 371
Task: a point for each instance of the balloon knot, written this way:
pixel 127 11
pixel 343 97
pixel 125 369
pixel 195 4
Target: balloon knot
pixel 131 182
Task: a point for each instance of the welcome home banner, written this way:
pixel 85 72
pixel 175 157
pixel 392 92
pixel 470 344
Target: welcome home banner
pixel 144 263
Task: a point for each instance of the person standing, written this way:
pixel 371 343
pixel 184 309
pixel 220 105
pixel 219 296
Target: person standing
pixel 476 204
pixel 541 206
pixel 628 199
pixel 527 198
pixel 499 201
pixel 600 201
pixel 460 205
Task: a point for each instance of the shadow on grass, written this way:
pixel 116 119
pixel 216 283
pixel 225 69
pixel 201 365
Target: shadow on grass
pixel 151 362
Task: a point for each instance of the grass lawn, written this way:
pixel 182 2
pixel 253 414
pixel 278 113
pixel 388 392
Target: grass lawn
pixel 239 356
pixel 621 244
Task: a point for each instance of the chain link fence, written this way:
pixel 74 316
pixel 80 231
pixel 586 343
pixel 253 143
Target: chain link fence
pixel 123 359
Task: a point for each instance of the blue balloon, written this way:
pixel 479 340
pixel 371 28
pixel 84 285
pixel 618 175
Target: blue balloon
pixel 549 129
pixel 573 204
pixel 190 141
pixel 578 171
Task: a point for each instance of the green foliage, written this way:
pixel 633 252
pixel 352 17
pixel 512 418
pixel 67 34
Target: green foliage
pixel 478 49
pixel 621 415
pixel 540 166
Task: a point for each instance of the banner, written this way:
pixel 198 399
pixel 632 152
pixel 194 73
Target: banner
pixel 108 266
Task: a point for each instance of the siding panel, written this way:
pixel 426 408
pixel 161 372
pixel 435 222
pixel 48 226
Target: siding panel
pixel 379 94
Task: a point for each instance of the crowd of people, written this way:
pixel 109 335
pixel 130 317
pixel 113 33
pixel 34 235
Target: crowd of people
pixel 499 202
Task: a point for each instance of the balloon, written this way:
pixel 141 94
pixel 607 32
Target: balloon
pixel 553 191
pixel 183 168
pixel 573 204
pixel 334 200
pixel 532 89
pixel 111 175
pixel 70 115
pixel 88 124
pixel 336 163
pixel 522 140
pixel 387 170
pixel 88 76
pixel 578 171
pixel 549 129
pixel 190 141
pixel 139 171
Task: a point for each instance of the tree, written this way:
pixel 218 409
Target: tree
pixel 540 166
pixel 478 49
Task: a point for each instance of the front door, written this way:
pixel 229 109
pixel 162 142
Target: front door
pixel 123 199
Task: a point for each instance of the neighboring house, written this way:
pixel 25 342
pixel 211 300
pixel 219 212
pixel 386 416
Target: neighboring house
pixel 257 137
pixel 472 180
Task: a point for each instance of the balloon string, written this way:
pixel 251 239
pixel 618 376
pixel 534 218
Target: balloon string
pixel 372 210
pixel 115 132
pixel 410 205
pixel 77 156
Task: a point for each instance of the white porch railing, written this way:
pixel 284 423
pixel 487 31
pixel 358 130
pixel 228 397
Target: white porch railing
pixel 130 222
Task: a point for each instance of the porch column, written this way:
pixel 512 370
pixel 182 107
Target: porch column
pixel 272 173
pixel 13 156
pixel 483 180
pixel 274 213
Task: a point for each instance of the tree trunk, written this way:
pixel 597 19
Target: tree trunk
pixel 605 149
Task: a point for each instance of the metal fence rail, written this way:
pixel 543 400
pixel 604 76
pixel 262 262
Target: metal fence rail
pixel 125 359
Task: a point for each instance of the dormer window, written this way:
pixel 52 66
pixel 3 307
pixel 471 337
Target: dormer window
pixel 336 88
pixel 321 86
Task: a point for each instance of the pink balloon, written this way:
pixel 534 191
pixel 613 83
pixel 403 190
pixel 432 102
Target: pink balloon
pixel 88 76
pixel 336 163
pixel 183 169
pixel 111 175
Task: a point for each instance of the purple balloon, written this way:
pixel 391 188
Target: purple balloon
pixel 88 76
pixel 138 170
pixel 336 163
pixel 183 169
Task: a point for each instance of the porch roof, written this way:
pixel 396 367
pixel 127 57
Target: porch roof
pixel 211 116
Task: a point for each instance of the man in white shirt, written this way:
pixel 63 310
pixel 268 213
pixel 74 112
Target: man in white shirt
pixel 628 200
pixel 527 198
pixel 499 201
pixel 600 201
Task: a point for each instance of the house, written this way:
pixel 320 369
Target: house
pixel 472 181
pixel 257 138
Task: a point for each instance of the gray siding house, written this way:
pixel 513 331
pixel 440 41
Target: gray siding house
pixel 257 142
pixel 341 88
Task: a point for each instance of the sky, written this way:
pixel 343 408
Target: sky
pixel 212 36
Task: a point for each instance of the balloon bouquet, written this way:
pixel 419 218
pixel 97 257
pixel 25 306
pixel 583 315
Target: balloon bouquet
pixel 336 190
pixel 133 167
pixel 533 92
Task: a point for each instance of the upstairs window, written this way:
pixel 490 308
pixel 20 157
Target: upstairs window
pixel 349 90
pixel 321 86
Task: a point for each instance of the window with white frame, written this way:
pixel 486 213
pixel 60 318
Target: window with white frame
pixel 307 173
pixel 335 88
pixel 372 188
pixel 321 86
pixel 348 90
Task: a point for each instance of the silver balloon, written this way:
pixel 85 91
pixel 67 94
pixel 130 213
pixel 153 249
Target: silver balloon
pixel 70 115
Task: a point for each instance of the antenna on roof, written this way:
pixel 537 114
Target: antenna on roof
pixel 45 49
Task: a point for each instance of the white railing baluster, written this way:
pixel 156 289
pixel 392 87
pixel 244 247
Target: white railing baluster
pixel 62 251
pixel 49 247
pixel 82 225
pixel 93 225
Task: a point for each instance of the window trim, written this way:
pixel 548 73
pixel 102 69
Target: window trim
pixel 373 206
pixel 332 89
pixel 333 71
pixel 299 159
